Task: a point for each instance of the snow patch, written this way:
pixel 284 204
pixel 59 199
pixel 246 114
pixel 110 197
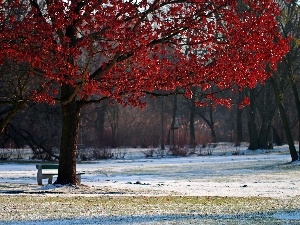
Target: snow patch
pixel 287 215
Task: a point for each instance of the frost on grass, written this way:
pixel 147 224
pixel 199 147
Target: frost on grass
pixel 147 210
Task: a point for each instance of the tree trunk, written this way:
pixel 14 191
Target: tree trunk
pixel 173 123
pixel 267 112
pixel 162 144
pixel 212 126
pixel 114 127
pixel 254 143
pixel 297 103
pixel 264 134
pixel 284 120
pixel 100 124
pixel 69 138
pixel 239 126
pixel 192 126
pixel 113 119
pixel 192 119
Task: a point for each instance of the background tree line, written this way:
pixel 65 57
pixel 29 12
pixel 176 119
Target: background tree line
pixel 112 125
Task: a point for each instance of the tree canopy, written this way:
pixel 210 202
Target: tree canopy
pixel 122 49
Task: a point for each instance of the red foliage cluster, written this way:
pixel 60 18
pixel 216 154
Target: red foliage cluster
pixel 122 49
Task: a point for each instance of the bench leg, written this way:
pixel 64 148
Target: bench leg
pixel 78 178
pixel 50 180
pixel 39 180
pixel 39 176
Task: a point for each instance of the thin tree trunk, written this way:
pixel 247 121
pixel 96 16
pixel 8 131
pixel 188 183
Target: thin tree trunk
pixel 284 120
pixel 239 126
pixel 267 112
pixel 192 119
pixel 265 128
pixel 162 144
pixel 173 123
pixel 192 126
pixel 16 108
pixel 239 121
pixel 212 126
pixel 264 134
pixel 297 103
pixel 100 124
pixel 114 126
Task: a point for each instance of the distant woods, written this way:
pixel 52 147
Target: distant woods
pixel 175 123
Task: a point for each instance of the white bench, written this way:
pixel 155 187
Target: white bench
pixel 49 175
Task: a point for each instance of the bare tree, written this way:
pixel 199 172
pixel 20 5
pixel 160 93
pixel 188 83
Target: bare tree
pixel 289 22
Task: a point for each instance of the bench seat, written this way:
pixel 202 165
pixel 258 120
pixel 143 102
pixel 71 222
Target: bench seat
pixel 49 174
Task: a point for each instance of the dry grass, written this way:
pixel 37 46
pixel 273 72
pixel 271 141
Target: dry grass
pixel 32 207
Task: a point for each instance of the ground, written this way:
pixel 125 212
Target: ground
pixel 250 188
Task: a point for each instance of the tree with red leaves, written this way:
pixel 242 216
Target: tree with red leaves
pixel 90 50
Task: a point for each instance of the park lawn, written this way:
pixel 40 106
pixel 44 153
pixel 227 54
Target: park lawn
pixel 33 208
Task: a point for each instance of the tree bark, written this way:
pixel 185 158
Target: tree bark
pixel 173 123
pixel 297 103
pixel 284 120
pixel 254 142
pixel 264 134
pixel 267 112
pixel 239 126
pixel 211 124
pixel 162 144
pixel 192 143
pixel 114 124
pixel 192 126
pixel 69 138
pixel 100 124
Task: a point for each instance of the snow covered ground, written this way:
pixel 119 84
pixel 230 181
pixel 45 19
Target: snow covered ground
pixel 258 173
pixel 249 174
